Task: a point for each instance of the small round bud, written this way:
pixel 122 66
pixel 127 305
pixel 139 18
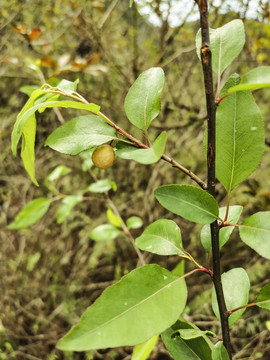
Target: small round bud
pixel 103 156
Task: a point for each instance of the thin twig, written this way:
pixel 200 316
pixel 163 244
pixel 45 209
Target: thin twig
pixel 206 59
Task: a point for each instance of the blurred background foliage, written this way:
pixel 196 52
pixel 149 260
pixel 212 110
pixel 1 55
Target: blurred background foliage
pixel 51 272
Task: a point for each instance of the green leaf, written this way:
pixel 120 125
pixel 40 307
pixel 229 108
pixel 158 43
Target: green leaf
pixel 25 126
pixel 236 286
pixel 144 303
pixel 225 232
pixel 219 352
pixel 142 351
pixel 143 156
pixel 66 207
pixel 256 233
pixel 30 214
pixel 163 237
pixel 257 78
pixel 80 134
pixel 188 334
pixel 100 186
pixel 59 171
pixel 29 110
pixel 226 43
pixel 264 295
pixel 180 349
pixel 134 222
pixel 239 136
pixel 105 232
pixel 28 89
pixel 142 103
pixel 189 202
pixel 113 219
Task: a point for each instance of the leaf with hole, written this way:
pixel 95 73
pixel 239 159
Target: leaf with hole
pixel 163 237
pixel 190 202
pixel 143 156
pixel 236 286
pixel 225 232
pixel 255 232
pixel 239 136
pixel 226 44
pixel 30 214
pixel 149 300
pixel 142 103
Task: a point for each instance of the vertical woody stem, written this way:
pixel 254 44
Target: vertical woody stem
pixel 206 59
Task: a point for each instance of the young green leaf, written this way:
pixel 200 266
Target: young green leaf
pixel 142 103
pixel 113 219
pixel 255 232
pixel 30 214
pixel 100 186
pixel 189 202
pixel 226 43
pixel 180 349
pixel 143 156
pixel 239 136
pixel 219 352
pixel 25 126
pixel 144 303
pixel 225 232
pixel 264 295
pixel 134 222
pixel 163 237
pixel 59 171
pixel 80 134
pixel 257 78
pixel 142 351
pixel 236 286
pixel 105 232
pixel 66 207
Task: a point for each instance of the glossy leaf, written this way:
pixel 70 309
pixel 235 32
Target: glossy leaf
pixel 219 352
pixel 163 237
pixel 189 202
pixel 225 232
pixel 134 222
pixel 113 219
pixel 66 207
pixel 257 78
pixel 264 295
pixel 142 351
pixel 100 186
pixel 236 286
pixel 256 233
pixel 194 349
pixel 80 134
pixel 239 136
pixel 30 214
pixel 143 156
pixel 226 43
pixel 142 103
pixel 105 232
pixel 144 303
